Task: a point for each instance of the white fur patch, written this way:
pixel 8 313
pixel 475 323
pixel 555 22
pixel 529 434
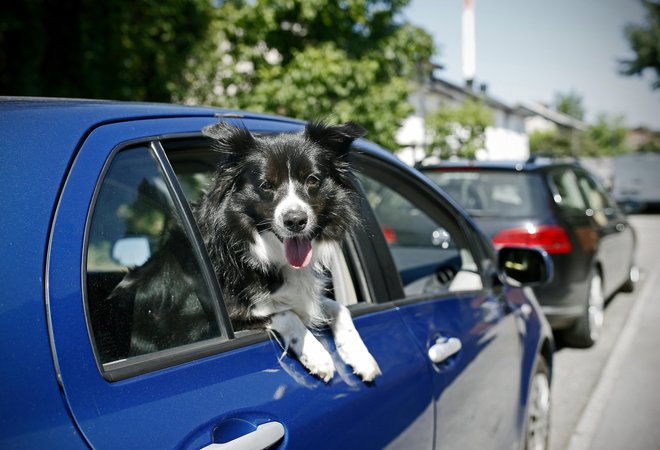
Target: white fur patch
pixel 303 344
pixel 267 250
pixel 349 344
pixel 292 202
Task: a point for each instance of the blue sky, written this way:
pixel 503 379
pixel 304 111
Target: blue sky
pixel 528 50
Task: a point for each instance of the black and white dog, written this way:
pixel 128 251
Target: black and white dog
pixel 277 211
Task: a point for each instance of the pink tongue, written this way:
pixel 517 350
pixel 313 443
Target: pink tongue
pixel 298 252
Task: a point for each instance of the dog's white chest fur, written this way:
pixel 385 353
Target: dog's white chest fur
pixel 299 304
pixel 302 289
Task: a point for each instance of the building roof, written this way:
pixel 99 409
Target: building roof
pixel 459 93
pixel 561 119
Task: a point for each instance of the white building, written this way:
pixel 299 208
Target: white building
pixel 506 139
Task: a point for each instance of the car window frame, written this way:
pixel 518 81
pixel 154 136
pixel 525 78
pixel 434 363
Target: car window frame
pixel 357 258
pixel 609 207
pixel 138 365
pixel 437 205
pixel 550 176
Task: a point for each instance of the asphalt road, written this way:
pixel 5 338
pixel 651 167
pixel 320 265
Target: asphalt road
pixel 607 397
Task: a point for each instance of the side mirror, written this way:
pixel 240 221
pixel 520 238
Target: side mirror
pixel 131 251
pixel 525 266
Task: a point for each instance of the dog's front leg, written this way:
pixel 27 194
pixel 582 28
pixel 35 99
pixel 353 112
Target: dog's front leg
pixel 349 344
pixel 297 338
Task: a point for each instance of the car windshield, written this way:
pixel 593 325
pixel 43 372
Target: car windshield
pixel 493 193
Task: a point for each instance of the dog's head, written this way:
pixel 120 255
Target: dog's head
pixel 297 185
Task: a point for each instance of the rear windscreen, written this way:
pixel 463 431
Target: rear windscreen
pixel 493 193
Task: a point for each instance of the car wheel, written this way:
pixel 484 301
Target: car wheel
pixel 537 429
pixel 586 330
pixel 633 278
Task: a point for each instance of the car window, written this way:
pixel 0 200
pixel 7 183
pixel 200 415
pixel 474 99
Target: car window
pixel 597 201
pixel 429 254
pixel 567 191
pixel 133 221
pixel 492 193
pixel 133 224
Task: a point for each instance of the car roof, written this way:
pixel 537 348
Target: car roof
pixel 533 164
pixel 69 121
pixel 92 112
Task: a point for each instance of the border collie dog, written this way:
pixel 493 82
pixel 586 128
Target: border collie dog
pixel 277 211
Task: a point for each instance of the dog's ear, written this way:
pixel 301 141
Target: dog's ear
pixel 228 138
pixel 337 137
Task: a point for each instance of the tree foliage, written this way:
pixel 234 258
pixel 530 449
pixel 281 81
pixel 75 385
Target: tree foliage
pixel 124 49
pixel 348 59
pixel 570 104
pixel 550 143
pixel 458 130
pixel 605 137
pixel 644 40
pixel 351 60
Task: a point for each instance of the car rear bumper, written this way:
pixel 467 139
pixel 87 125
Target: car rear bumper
pixel 564 299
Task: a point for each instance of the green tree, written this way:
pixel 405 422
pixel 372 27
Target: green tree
pixel 569 104
pixel 124 49
pixel 458 131
pixel 552 143
pixel 644 40
pixel 606 136
pixel 351 60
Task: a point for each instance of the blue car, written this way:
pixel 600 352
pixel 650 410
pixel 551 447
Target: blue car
pixel 88 191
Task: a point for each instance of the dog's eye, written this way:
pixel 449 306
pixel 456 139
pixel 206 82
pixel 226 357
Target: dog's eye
pixel 312 181
pixel 267 186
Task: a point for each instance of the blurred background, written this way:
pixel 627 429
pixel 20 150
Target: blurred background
pixel 427 78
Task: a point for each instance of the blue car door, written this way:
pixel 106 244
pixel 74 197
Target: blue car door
pixel 117 201
pixel 465 326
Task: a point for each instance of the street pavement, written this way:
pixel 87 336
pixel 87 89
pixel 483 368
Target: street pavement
pixel 607 397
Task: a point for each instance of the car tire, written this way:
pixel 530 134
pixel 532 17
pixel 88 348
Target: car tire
pixel 586 331
pixel 633 277
pixel 537 424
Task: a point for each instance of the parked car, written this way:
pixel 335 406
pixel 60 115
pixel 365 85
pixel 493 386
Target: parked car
pixel 465 353
pixel 636 182
pixel 562 208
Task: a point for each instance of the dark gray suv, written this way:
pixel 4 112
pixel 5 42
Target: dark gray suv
pixel 562 208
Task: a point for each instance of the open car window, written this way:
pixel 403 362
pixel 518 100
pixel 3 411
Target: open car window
pixel 430 254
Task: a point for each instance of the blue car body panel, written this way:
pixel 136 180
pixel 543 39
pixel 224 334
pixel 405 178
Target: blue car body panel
pixel 51 157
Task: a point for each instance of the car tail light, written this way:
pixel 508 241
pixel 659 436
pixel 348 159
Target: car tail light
pixel 551 238
pixel 390 235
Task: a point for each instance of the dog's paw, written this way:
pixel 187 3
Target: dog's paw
pixel 366 367
pixel 317 360
pixel 355 354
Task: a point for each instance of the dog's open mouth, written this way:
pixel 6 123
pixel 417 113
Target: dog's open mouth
pixel 298 251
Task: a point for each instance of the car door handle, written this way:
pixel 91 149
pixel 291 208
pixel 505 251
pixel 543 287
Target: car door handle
pixel 444 348
pixel 263 437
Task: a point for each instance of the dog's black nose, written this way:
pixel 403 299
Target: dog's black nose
pixel 295 221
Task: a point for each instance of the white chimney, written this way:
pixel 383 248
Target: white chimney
pixel 469 50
